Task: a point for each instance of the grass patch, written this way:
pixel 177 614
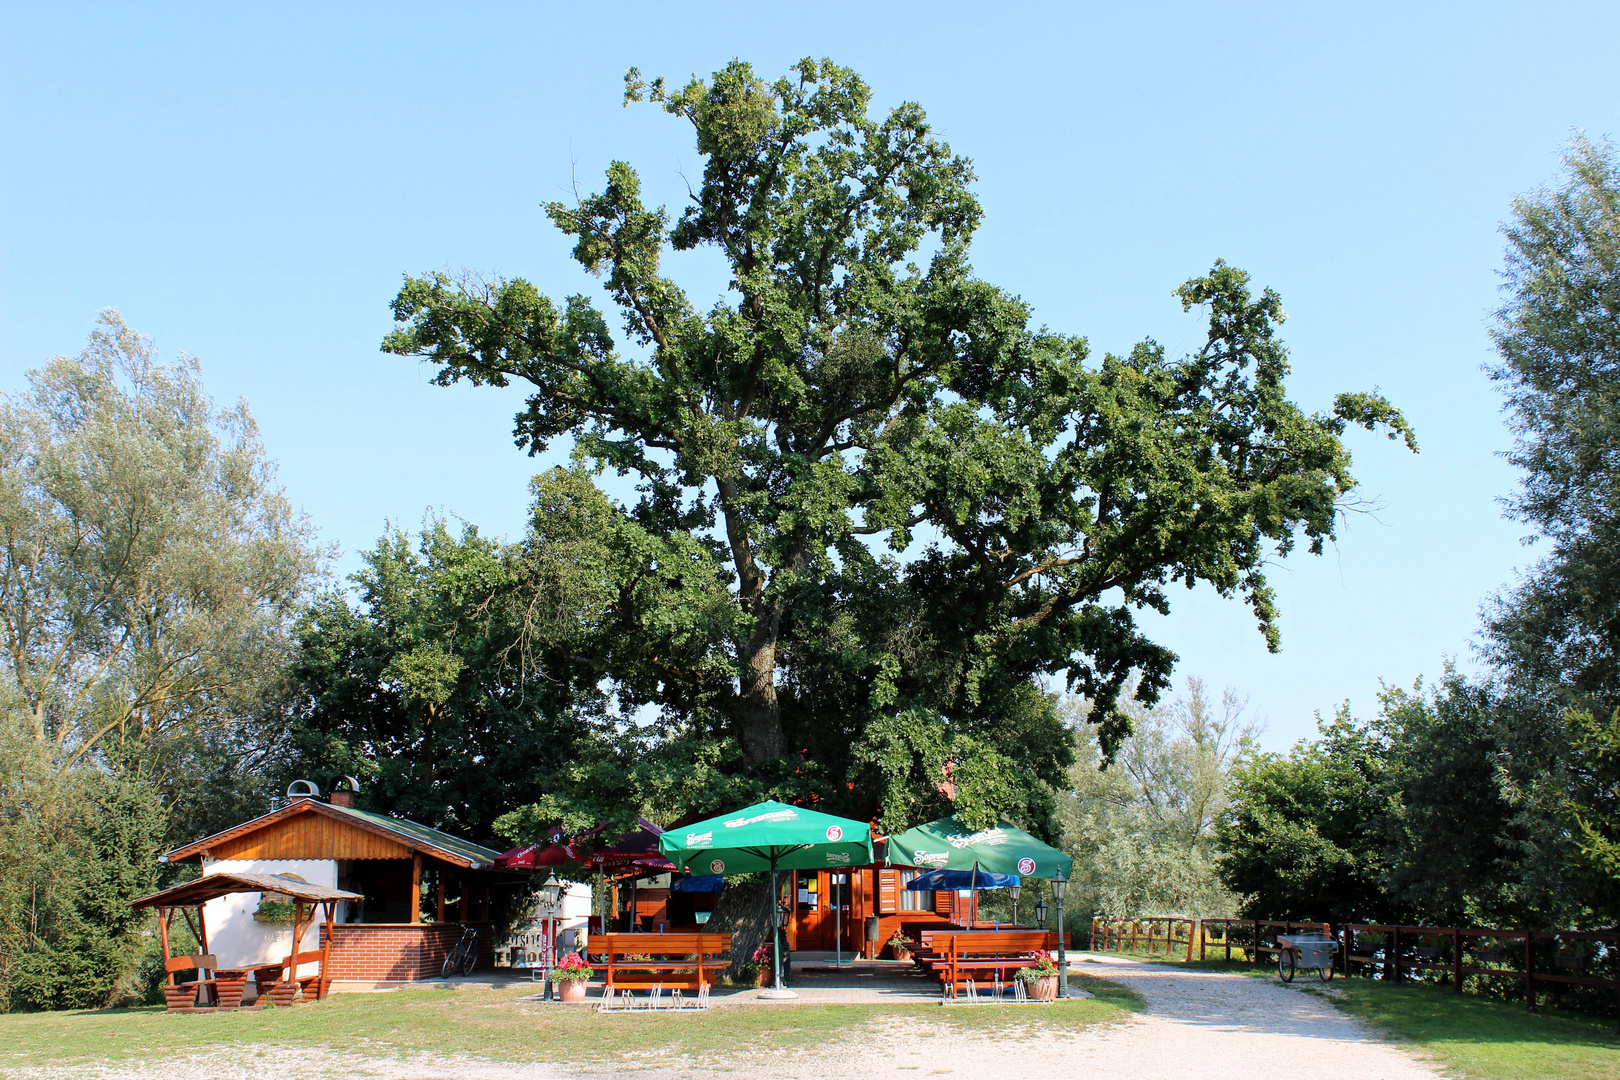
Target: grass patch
pixel 510 1025
pixel 1479 1038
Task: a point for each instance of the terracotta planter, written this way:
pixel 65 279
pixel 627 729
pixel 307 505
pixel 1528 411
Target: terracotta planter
pixel 902 955
pixel 571 989
pixel 1043 989
pixel 762 977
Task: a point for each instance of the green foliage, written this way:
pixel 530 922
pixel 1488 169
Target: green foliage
pixel 1303 835
pixel 857 381
pixel 1591 808
pixel 150 567
pixel 77 845
pixel 1142 831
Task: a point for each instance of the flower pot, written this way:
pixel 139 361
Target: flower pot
pixel 571 989
pixel 762 977
pixel 1043 989
pixel 902 955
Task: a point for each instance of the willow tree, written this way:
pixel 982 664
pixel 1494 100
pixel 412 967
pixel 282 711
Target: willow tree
pixel 857 385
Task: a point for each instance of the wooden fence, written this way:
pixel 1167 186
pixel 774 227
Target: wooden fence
pixel 1533 957
pixel 1257 938
pixel 1173 932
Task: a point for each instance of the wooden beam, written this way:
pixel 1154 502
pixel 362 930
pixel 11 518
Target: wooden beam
pixel 438 882
pixel 164 915
pixel 416 887
pixel 326 953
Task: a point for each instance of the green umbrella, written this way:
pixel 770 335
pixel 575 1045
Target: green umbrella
pixel 947 844
pixel 768 836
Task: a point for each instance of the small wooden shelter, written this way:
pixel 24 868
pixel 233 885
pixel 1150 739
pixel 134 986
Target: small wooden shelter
pixel 279 982
pixel 410 890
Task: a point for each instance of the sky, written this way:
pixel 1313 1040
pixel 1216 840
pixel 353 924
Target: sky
pixel 248 184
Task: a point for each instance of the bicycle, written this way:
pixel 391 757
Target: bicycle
pixel 463 955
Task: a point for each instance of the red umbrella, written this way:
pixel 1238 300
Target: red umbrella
pixel 534 856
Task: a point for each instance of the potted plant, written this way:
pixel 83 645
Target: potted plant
pixel 1040 977
pixel 761 965
pixel 570 976
pixel 901 945
pixel 273 912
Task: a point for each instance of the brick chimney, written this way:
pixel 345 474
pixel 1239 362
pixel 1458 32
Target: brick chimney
pixel 341 798
pixel 343 791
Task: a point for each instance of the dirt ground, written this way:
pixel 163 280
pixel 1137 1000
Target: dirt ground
pixel 1198 1025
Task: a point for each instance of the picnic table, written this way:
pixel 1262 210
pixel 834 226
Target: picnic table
pixel 685 961
pixel 957 956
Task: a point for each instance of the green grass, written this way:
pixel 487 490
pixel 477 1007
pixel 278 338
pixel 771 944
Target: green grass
pixel 509 1025
pixel 1477 1038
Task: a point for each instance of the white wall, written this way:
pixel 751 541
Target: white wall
pixel 241 942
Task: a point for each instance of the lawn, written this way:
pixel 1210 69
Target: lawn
pixel 511 1026
pixel 1473 1037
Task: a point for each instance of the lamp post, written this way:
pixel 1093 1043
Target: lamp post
pixel 549 892
pixel 1060 885
pixel 1040 911
pixel 1015 891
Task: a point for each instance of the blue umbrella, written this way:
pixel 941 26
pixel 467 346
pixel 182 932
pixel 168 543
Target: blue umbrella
pixel 961 879
pixel 699 883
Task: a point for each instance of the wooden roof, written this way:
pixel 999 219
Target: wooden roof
pixel 210 886
pixel 312 829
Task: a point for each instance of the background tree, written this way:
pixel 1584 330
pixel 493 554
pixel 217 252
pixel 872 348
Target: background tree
pixel 858 381
pixel 1142 831
pixel 149 573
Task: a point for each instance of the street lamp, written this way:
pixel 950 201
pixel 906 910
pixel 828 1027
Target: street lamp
pixel 549 894
pixel 1060 885
pixel 1015 891
pixel 1040 911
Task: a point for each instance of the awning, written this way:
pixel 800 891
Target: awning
pixel 699 883
pixel 961 879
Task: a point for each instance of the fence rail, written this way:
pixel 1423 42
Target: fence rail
pixel 1457 950
pixel 1537 958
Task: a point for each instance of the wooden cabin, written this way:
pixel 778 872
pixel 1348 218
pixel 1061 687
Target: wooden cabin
pixel 816 895
pixel 419 888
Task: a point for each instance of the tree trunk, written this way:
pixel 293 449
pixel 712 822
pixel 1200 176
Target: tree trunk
pixel 743 910
pixel 761 714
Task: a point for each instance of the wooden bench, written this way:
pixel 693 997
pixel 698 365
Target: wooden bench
pixel 686 961
pixel 986 956
pixel 291 989
pixel 225 986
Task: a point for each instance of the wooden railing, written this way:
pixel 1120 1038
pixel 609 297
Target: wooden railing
pixel 1457 951
pixel 1173 932
pixel 1257 938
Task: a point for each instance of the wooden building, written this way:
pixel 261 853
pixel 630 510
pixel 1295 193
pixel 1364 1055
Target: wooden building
pixel 420 887
pixel 815 897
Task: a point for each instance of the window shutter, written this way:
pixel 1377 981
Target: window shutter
pixel 944 902
pixel 888 899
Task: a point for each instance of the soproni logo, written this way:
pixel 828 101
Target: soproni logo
pixel 834 834
pixel 1026 866
pixel 717 867
pixel 837 858
pixel 991 837
pixel 930 858
pixel 774 815
pixel 700 839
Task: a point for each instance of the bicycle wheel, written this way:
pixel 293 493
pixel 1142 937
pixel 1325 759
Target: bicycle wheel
pixel 1285 965
pixel 470 957
pixel 449 967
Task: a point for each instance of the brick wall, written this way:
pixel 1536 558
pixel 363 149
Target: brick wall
pixel 399 952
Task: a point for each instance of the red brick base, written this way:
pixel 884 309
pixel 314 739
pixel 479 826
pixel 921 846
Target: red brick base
pixel 392 951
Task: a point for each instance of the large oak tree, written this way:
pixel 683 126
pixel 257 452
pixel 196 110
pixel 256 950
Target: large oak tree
pixel 858 386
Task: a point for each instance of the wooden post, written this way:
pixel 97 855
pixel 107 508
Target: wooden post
pixel 438 889
pixel 326 953
pixel 1226 935
pixel 1349 943
pixel 1392 965
pixel 1530 969
pixel 1456 961
pixel 1254 953
pixel 416 887
pixel 164 915
pixel 1136 928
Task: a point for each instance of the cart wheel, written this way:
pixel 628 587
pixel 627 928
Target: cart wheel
pixel 1285 965
pixel 1325 973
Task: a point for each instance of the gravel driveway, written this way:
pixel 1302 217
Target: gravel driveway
pixel 1198 1025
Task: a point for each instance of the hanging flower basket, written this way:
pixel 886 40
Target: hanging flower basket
pixel 274 913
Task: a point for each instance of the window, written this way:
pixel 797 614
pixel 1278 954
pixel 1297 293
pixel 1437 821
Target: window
pixel 911 900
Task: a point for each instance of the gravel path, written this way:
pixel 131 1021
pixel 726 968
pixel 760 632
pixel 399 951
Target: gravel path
pixel 1198 1025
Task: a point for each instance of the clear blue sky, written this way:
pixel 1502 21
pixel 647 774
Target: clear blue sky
pixel 248 183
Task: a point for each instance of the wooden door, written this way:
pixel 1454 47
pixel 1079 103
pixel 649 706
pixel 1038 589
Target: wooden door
pixel 811 916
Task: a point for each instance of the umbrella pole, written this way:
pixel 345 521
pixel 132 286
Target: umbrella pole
pixel 838 921
pixel 973 887
pixel 776 938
